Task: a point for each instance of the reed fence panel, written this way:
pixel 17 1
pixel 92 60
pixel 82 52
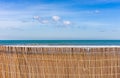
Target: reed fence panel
pixel 38 62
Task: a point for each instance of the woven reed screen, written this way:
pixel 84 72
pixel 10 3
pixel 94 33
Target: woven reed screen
pixel 26 62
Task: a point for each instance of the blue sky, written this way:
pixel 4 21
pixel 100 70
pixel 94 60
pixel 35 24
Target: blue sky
pixel 59 19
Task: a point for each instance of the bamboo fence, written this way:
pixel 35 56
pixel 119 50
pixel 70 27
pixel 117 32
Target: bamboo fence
pixel 51 62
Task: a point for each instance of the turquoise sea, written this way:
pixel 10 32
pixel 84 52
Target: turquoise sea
pixel 59 42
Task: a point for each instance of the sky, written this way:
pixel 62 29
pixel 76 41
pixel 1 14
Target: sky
pixel 59 19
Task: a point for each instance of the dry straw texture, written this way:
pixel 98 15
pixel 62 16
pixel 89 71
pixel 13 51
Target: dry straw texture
pixel 36 62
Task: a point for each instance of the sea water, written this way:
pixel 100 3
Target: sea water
pixel 59 42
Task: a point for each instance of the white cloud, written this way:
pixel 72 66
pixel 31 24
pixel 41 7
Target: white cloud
pixel 44 21
pixel 56 18
pixel 36 17
pixel 66 22
pixel 93 11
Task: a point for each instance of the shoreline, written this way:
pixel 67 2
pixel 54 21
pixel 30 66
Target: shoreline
pixel 65 46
